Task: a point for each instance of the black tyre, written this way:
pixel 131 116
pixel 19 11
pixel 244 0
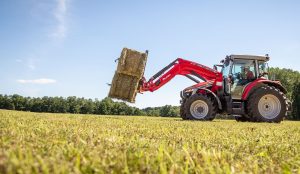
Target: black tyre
pixel 182 111
pixel 242 119
pixel 267 104
pixel 200 107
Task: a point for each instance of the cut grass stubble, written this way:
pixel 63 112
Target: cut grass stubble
pixel 64 143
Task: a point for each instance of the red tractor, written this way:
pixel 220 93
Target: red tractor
pixel 242 89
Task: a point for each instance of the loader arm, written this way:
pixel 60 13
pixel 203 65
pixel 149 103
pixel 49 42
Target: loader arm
pixel 180 67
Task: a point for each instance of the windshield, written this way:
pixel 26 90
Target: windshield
pixel 263 69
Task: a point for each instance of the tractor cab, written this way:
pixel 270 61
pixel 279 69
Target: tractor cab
pixel 240 70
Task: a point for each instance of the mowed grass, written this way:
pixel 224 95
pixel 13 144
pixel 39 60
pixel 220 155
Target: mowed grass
pixel 66 143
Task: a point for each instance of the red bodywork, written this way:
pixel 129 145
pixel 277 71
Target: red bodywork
pixel 185 68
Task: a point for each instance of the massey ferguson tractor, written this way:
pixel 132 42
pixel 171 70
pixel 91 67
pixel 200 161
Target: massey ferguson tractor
pixel 241 88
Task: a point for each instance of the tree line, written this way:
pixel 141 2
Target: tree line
pixel 77 105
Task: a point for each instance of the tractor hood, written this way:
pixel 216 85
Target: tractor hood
pixel 206 84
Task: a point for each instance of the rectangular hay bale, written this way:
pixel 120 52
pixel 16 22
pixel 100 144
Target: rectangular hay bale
pixel 130 70
pixel 132 62
pixel 124 87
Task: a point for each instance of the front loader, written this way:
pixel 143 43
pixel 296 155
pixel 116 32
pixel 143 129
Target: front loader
pixel 242 87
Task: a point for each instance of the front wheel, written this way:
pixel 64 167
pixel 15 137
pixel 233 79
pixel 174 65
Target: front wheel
pixel 267 104
pixel 199 107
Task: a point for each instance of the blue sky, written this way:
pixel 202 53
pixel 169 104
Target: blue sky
pixel 68 47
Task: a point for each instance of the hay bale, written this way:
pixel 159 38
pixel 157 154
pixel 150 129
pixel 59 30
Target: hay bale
pixel 132 62
pixel 129 72
pixel 124 87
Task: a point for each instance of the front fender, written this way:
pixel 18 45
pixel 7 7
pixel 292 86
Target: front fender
pixel 213 94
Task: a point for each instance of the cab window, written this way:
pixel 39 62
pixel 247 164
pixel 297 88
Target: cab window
pixel 243 70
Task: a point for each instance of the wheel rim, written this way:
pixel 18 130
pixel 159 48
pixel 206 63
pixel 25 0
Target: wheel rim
pixel 269 106
pixel 199 109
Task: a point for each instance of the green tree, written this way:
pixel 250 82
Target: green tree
pixel 296 101
pixel 1 101
pixel 287 77
pixel 37 105
pixel 87 106
pixel 169 111
pixel 105 107
pixel 19 102
pixel 58 105
pixel 152 111
pixel 73 105
pixel 28 104
pixel 47 104
pixel 7 103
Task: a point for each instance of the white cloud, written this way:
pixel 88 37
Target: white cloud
pixel 60 14
pixel 37 81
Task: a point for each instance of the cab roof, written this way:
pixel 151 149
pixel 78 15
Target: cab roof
pixel 253 57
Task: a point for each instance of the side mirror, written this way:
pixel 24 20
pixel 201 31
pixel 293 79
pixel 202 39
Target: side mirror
pixel 215 68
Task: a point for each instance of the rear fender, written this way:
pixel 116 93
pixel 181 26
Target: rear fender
pixel 258 83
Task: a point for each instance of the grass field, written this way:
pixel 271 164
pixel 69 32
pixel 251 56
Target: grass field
pixel 66 143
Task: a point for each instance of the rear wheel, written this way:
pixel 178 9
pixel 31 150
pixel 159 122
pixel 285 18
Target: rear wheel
pixel 267 104
pixel 199 107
